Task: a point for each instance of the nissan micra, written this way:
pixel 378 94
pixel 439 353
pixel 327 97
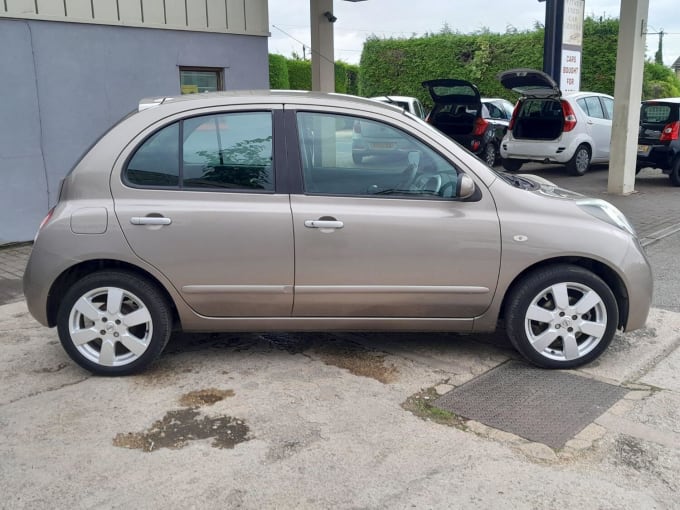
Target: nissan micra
pixel 244 211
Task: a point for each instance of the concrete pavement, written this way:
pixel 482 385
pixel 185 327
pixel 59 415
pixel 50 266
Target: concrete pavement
pixel 327 420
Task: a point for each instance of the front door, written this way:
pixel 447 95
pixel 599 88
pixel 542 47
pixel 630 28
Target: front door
pixel 387 237
pixel 197 200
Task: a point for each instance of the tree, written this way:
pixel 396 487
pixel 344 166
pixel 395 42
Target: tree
pixel 658 56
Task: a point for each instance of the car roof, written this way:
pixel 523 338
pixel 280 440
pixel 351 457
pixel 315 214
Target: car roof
pixel 579 94
pixel 663 100
pixel 207 99
pixel 394 98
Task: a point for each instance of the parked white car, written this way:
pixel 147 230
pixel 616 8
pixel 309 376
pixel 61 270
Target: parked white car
pixel 408 103
pixel 548 127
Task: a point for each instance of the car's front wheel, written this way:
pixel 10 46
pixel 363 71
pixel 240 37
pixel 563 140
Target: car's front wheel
pixel 114 323
pixel 357 158
pixel 512 165
pixel 561 317
pixel 580 161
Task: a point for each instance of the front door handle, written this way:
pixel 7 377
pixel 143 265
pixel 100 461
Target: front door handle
pixel 324 224
pixel 150 220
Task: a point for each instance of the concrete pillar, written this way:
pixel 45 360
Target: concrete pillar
pixel 630 59
pixel 323 67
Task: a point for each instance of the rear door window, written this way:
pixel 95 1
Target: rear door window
pixel 655 113
pixel 592 106
pixel 231 151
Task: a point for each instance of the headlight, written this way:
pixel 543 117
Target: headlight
pixel 605 211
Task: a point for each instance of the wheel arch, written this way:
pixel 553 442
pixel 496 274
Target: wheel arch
pixel 78 271
pixel 608 275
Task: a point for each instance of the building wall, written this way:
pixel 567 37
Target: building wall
pixel 65 84
pixel 225 16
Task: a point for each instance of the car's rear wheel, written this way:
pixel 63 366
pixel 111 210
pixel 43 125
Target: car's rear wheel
pixel 357 158
pixel 512 165
pixel 490 154
pixel 114 323
pixel 561 317
pixel 580 161
pixel 675 173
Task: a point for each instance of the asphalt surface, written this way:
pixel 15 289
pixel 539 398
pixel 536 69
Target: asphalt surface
pixel 322 420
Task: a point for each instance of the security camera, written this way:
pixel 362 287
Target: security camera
pixel 330 17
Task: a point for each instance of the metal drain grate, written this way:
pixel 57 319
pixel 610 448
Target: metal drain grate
pixel 545 406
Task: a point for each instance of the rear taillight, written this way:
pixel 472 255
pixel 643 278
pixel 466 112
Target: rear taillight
pixel 428 118
pixel 357 126
pixel 47 219
pixel 44 222
pixel 480 127
pixel 514 116
pixel 670 132
pixel 569 116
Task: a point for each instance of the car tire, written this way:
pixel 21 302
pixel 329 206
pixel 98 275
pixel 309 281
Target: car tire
pixel 562 316
pixel 675 173
pixel 357 158
pixel 490 154
pixel 580 161
pixel 114 323
pixel 512 165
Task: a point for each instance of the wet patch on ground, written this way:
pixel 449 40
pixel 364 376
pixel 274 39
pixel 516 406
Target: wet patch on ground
pixel 200 398
pixel 357 361
pixel 177 428
pixel 633 453
pixel 422 405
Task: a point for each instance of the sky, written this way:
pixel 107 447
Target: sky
pixel 289 21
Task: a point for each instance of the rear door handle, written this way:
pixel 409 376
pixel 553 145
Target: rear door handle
pixel 150 220
pixel 324 224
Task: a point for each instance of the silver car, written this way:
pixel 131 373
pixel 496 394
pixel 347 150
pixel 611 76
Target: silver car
pixel 246 212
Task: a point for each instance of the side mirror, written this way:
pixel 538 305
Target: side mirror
pixel 466 186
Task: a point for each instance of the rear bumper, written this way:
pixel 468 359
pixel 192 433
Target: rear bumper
pixel 656 156
pixel 554 151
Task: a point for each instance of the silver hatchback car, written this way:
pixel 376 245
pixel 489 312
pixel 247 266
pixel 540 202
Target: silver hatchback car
pixel 245 212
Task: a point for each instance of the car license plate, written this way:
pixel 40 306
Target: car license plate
pixel 382 145
pixel 643 149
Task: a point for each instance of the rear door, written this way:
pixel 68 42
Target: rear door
pixel 599 125
pixel 199 199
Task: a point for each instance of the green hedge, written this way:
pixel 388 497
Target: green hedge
pixel 398 66
pixel 300 74
pixel 296 74
pixel 278 72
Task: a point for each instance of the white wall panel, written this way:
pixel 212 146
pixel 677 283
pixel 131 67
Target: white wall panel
pixel 256 16
pixel 217 14
pixel 176 13
pixel 236 15
pixel 105 10
pixel 196 14
pixel 20 7
pixel 50 8
pixel 130 11
pixel 153 12
pixel 81 9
